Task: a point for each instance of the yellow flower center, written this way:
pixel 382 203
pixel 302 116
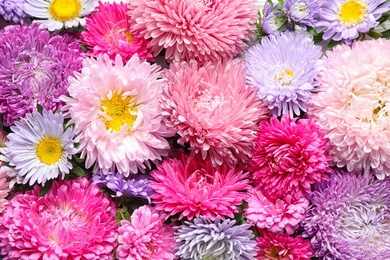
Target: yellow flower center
pixel 49 150
pixel 65 10
pixel 284 77
pixel 120 111
pixel 352 12
pixel 129 37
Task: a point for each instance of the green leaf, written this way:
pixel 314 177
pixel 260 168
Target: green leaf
pixel 39 109
pixel 270 2
pixel 77 170
pixel 374 35
pixel 386 34
pixel 281 18
pixel 283 27
pixel 78 160
pixel 45 189
pixel 122 214
pixel 332 43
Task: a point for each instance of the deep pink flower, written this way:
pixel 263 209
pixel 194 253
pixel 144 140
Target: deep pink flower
pixel 145 236
pixel 203 29
pixel 107 30
pixel 194 187
pixel 74 220
pixel 289 156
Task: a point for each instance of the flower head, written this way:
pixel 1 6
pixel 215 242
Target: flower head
pixel 353 106
pixel 289 156
pixel 213 110
pixel 39 148
pixel 117 114
pixel 204 30
pixel 34 67
pixel 4 188
pixel 270 22
pixel 302 12
pixel 145 236
pixel 193 187
pixel 56 14
pixel 279 246
pixel 12 10
pixel 74 220
pixel 349 218
pixel 346 19
pixel 284 68
pixel 107 30
pixel 219 240
pixel 275 215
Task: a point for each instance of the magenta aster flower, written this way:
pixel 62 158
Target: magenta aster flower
pixel 145 236
pixel 203 30
pixel 346 19
pixel 34 67
pixel 349 218
pixel 193 187
pixel 74 220
pixel 275 246
pixel 289 156
pixel 107 30
pixel 213 110
pixel 275 215
pixel 353 106
pixel 4 188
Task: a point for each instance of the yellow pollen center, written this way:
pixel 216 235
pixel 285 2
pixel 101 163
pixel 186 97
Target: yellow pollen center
pixel 65 10
pixel 120 111
pixel 129 37
pixel 49 150
pixel 352 12
pixel 284 77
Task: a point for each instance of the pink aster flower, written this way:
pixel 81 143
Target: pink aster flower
pixel 74 220
pixel 353 106
pixel 282 247
pixel 275 215
pixel 289 156
pixel 203 29
pixel 108 31
pixel 4 188
pixel 193 187
pixel 145 236
pixel 213 110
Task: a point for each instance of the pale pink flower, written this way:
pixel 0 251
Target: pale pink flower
pixel 145 236
pixel 193 187
pixel 195 29
pixel 4 189
pixel 275 215
pixel 74 220
pixel 213 110
pixel 353 106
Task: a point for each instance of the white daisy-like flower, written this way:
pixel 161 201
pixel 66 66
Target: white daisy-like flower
pixel 55 14
pixel 39 148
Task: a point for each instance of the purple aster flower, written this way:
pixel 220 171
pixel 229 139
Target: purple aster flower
pixel 349 218
pixel 207 239
pixel 34 68
pixel 12 10
pixel 284 67
pixel 302 12
pixel 269 22
pixel 346 19
pixel 133 187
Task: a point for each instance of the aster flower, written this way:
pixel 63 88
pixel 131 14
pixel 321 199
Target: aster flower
pixel 353 106
pixel 108 31
pixel 56 14
pixel 302 12
pixel 270 21
pixel 346 19
pixel 145 236
pixel 72 221
pixel 218 240
pixel 4 189
pixel 193 187
pixel 276 246
pixel 117 114
pixel 289 156
pixel 284 67
pixel 203 30
pixel 12 10
pixel 349 218
pixel 213 110
pixel 39 148
pixel 275 214
pixel 137 186
pixel 34 67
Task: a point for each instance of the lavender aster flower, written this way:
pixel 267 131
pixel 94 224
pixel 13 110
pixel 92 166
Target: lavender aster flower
pixel 269 23
pixel 133 187
pixel 284 67
pixel 206 239
pixel 350 218
pixel 346 19
pixel 302 12
pixel 12 10
pixel 34 67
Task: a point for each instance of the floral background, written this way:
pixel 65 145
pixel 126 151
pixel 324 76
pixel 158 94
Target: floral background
pixel 195 129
